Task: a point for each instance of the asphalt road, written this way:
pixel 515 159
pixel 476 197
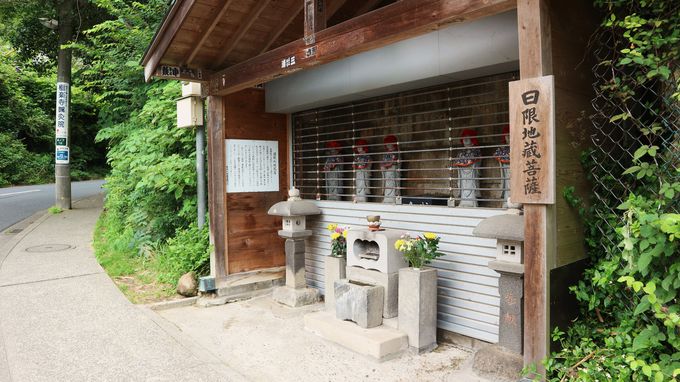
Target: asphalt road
pixel 18 203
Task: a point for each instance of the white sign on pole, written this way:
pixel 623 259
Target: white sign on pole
pixel 61 128
pixel 252 165
pixel 61 155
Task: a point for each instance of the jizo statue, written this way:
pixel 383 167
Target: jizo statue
pixel 502 155
pixel 467 162
pixel 390 169
pixel 362 171
pixel 333 170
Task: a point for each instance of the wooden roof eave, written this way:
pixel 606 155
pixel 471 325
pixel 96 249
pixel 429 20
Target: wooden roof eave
pixel 171 24
pixel 392 23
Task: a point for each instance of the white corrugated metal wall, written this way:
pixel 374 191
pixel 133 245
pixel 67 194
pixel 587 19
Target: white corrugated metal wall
pixel 468 298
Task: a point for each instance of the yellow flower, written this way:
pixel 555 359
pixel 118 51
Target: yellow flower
pixel 430 236
pixel 398 244
pixel 331 227
pixel 335 235
pixel 344 234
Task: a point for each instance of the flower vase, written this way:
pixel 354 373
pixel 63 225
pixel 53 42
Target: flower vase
pixel 418 307
pixel 335 269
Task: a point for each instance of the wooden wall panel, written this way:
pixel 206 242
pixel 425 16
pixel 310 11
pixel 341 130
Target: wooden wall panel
pixel 571 27
pixel 253 242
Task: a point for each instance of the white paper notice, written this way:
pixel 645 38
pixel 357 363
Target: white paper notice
pixel 252 166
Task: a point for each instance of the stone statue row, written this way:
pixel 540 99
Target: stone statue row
pixel 467 162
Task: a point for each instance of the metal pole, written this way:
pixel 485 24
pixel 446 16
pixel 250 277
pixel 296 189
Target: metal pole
pixel 62 172
pixel 200 173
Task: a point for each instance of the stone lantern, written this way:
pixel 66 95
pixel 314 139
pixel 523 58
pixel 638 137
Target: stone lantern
pixel 508 230
pixel 294 212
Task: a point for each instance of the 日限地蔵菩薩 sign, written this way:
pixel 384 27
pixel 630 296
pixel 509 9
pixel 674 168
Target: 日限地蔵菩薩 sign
pixel 532 141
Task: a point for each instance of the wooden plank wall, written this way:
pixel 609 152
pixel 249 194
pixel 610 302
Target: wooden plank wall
pixel 252 239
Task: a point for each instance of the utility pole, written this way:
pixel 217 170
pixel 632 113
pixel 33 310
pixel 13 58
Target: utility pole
pixel 62 168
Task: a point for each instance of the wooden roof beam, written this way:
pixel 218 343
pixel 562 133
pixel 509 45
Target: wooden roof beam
pixel 287 19
pixel 235 38
pixel 333 7
pixel 281 27
pixel 315 19
pixel 164 37
pixel 206 33
pixel 387 25
pixel 368 5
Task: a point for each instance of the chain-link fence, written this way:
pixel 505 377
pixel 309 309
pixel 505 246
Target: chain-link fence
pixel 629 112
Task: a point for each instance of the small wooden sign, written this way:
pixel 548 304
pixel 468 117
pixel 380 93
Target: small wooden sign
pixel 532 141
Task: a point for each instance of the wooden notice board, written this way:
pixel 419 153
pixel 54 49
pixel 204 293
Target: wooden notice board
pixel 532 141
pixel 252 239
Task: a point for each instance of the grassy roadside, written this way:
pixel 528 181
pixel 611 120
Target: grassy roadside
pixel 136 276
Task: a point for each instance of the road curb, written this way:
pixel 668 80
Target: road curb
pixel 165 305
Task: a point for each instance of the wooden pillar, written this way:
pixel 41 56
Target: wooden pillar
pixel 315 19
pixel 535 56
pixel 217 186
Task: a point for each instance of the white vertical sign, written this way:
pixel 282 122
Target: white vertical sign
pixel 252 165
pixel 61 128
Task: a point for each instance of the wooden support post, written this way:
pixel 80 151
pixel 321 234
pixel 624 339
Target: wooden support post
pixel 217 194
pixel 315 19
pixel 535 58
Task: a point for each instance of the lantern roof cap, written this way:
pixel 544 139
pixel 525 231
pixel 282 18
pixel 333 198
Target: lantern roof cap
pixel 294 206
pixel 503 227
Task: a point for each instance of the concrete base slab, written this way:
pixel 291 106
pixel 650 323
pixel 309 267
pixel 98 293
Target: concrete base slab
pixel 296 297
pixel 242 286
pixel 381 343
pixel 498 362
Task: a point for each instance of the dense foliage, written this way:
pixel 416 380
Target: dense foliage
pixel 151 201
pixel 629 326
pixel 27 99
pixel 149 224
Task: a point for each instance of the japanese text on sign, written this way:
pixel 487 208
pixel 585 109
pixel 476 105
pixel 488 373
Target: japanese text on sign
pixel 61 122
pixel 252 165
pixel 62 110
pixel 532 176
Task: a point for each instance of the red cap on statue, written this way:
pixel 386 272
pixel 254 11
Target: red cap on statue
pixel 469 133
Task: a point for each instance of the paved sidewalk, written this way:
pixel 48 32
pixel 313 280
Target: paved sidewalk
pixel 63 319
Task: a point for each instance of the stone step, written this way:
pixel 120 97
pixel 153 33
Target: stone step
pixel 381 343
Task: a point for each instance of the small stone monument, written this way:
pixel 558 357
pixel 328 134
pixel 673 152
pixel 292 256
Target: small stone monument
pixel 294 212
pixel 508 230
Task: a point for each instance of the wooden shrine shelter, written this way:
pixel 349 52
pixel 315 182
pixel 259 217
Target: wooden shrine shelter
pixel 301 84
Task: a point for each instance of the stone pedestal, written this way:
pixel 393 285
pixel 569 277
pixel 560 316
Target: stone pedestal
pixel 511 287
pixel 295 293
pixel 295 263
pixel 360 303
pixel 334 270
pixel 295 297
pixel 389 281
pixel 418 307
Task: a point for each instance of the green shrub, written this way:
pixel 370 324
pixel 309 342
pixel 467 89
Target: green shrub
pixel 629 324
pixel 19 166
pixel 188 250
